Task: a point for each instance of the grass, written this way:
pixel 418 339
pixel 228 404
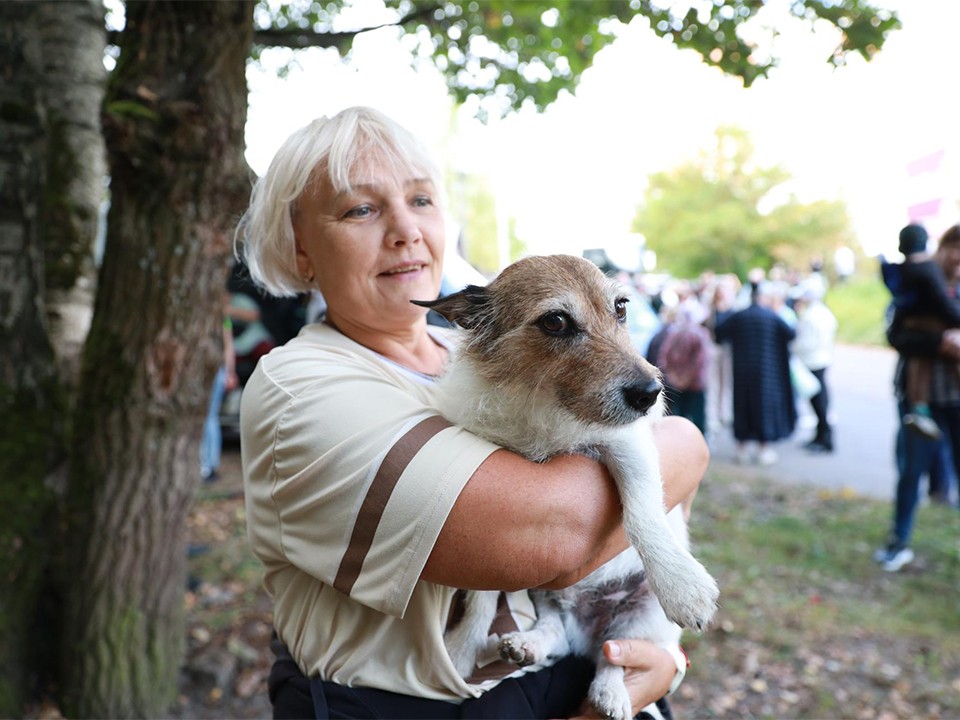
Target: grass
pixel 800 593
pixel 860 305
pixel 809 626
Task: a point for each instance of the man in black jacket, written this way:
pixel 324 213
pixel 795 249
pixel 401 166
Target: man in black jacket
pixel 917 454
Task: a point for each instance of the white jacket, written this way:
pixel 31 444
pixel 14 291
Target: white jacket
pixel 816 330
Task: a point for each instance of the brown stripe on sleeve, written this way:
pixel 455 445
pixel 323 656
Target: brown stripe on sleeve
pixel 371 510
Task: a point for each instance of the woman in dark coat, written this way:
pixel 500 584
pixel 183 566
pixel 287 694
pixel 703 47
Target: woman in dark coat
pixel 763 405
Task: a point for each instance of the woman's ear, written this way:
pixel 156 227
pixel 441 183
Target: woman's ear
pixel 304 265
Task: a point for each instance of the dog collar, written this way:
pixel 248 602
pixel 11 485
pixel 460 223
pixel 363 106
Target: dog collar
pixel 682 661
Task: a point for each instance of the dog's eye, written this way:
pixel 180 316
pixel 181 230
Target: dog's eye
pixel 620 307
pixel 556 323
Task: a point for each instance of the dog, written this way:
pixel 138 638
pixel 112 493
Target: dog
pixel 546 366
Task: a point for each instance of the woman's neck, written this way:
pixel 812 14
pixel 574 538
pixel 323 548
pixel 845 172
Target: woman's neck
pixel 412 346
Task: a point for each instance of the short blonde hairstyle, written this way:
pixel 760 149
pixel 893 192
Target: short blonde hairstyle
pixel 335 146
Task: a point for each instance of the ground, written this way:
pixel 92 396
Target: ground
pixel 757 661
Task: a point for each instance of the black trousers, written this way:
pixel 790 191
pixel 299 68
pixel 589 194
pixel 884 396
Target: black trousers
pixel 554 692
pixel 821 407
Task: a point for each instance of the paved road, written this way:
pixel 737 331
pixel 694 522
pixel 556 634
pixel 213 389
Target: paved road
pixel 860 382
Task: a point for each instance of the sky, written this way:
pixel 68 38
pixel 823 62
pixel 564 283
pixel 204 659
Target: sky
pixel 573 175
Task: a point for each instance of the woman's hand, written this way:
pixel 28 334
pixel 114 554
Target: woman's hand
pixel 649 671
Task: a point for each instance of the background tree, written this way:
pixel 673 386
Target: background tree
pixel 51 185
pixel 514 52
pixel 173 119
pixel 717 212
pixel 31 404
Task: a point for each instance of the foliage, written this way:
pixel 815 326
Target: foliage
pixel 479 222
pixel 480 243
pixel 709 214
pixel 512 53
pixel 859 306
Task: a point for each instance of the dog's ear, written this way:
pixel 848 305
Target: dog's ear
pixel 466 308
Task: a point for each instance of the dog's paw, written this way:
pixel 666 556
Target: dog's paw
pixel 520 648
pixel 691 601
pixel 611 700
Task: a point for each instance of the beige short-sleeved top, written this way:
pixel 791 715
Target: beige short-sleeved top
pixel 349 475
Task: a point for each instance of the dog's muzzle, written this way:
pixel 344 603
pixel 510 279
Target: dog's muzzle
pixel 641 396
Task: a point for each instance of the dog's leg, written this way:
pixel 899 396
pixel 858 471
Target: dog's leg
pixel 608 693
pixel 547 638
pixel 685 589
pixel 468 637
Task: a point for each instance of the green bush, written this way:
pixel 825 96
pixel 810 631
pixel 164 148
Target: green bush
pixel 860 305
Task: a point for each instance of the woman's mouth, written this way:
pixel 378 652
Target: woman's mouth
pixel 404 269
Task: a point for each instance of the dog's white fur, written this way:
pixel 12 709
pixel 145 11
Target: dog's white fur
pixel 547 367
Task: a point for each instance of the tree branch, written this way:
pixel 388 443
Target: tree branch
pixel 299 38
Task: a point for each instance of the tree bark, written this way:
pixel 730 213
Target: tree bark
pixel 31 407
pixel 174 121
pixel 72 84
pixel 73 81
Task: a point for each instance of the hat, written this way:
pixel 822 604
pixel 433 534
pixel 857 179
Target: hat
pixel 913 239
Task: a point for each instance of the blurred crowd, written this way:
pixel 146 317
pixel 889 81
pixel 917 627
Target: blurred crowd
pixel 749 356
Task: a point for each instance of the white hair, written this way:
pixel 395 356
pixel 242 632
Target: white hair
pixel 336 147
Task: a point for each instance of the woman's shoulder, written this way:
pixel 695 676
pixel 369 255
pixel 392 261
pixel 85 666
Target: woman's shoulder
pixel 320 355
pixel 317 352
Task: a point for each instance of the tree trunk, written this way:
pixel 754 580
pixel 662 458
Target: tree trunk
pixel 174 121
pixel 73 83
pixel 31 408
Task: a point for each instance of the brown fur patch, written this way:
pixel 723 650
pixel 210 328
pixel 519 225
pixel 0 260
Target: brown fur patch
pixel 586 369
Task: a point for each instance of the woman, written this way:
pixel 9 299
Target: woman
pixel 366 507
pixel 763 406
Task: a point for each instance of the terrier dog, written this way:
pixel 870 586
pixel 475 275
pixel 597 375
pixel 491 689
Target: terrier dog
pixel 545 367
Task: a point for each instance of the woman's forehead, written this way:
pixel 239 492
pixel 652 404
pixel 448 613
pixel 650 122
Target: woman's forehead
pixel 379 168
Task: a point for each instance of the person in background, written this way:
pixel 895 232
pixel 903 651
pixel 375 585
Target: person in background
pixel 923 301
pixel 367 508
pixel 918 454
pixel 816 331
pixel 763 406
pixel 844 263
pixel 775 298
pixel 643 322
pixel 224 381
pixel 682 350
pixel 720 384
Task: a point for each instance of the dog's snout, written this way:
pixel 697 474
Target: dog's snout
pixel 641 395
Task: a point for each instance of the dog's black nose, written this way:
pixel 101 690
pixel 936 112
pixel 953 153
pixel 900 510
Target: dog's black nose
pixel 642 395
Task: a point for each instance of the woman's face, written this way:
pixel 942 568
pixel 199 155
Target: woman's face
pixel 948 255
pixel 374 249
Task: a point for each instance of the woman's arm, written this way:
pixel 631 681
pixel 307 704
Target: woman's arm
pixel 519 524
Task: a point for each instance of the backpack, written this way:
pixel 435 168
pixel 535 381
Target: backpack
pixel 682 357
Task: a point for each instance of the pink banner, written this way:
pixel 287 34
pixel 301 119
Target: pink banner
pixel 928 163
pixel 924 210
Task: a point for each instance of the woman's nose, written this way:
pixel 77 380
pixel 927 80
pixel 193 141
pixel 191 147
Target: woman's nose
pixel 403 227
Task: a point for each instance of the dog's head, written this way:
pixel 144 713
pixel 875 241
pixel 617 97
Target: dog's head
pixel 556 324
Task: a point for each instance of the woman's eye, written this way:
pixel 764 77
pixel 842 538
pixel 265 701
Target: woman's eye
pixel 423 201
pixel 556 323
pixel 621 308
pixel 361 211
